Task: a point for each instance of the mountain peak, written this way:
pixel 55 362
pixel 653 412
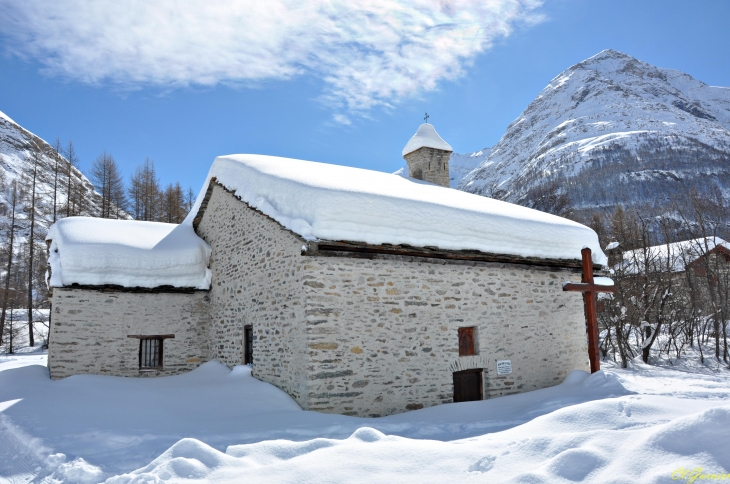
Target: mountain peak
pixel 6 117
pixel 609 54
pixel 644 126
pixel 610 60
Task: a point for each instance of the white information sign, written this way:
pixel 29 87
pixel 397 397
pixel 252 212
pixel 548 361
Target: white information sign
pixel 504 367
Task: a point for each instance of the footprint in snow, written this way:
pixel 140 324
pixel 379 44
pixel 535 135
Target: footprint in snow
pixel 483 465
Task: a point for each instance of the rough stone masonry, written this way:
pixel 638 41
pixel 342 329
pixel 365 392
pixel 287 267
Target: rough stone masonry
pixel 340 333
pixel 377 337
pixel 341 326
pixel 429 164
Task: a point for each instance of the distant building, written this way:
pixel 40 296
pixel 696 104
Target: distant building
pixel 356 292
pixel 697 270
pixel 676 257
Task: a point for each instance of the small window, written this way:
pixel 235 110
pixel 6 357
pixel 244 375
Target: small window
pixel 466 341
pixel 248 345
pixel 151 350
pixel 150 353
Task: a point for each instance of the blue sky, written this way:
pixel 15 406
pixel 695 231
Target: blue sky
pixel 343 85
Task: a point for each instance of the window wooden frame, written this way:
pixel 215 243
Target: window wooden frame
pixel 151 343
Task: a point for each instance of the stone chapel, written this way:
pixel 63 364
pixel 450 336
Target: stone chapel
pixel 355 292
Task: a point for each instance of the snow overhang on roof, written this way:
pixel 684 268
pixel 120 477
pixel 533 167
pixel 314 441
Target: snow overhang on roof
pixel 426 136
pixel 320 201
pixel 129 253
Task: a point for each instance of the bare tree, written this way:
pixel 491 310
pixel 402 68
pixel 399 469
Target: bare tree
pixel 174 204
pixel 144 191
pixel 107 179
pixel 73 161
pixel 33 176
pixel 57 159
pixel 10 251
pixel 644 301
pixel 189 200
pixel 708 275
pixel 13 330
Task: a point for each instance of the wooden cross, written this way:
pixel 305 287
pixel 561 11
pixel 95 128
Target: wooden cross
pixel 426 118
pixel 589 290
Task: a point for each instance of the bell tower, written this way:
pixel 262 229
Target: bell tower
pixel 427 155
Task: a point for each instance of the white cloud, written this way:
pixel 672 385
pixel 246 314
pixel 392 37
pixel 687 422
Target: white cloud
pixel 341 119
pixel 368 52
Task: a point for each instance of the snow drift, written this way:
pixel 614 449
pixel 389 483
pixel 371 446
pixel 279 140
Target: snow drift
pixel 214 424
pixel 629 438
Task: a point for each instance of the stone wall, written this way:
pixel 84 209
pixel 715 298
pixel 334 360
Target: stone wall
pixel 90 329
pixel 378 337
pixel 343 335
pixel 257 281
pixel 384 333
pixel 429 164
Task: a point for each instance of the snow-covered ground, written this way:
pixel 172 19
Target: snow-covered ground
pixel 220 425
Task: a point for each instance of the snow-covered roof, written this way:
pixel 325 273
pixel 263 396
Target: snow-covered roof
pixel 675 256
pixel 332 202
pixel 428 137
pixel 317 201
pixel 130 253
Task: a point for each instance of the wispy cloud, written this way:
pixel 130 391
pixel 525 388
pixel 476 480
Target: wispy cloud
pixel 368 52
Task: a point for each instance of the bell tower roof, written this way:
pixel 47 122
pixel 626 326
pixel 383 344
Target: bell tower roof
pixel 426 136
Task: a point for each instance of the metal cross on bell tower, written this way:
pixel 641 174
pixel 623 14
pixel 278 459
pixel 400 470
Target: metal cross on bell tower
pixel 425 118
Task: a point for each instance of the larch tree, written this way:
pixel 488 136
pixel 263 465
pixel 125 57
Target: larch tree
pixel 174 204
pixel 144 192
pixel 107 179
pixel 57 162
pixel 73 161
pixel 189 200
pixel 33 178
pixel 12 197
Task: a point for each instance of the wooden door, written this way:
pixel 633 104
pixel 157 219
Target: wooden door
pixel 468 385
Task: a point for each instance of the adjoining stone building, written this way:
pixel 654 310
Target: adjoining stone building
pixel 354 291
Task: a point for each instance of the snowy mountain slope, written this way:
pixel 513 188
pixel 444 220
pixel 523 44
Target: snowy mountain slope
pixel 461 165
pixel 17 146
pixel 637 128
